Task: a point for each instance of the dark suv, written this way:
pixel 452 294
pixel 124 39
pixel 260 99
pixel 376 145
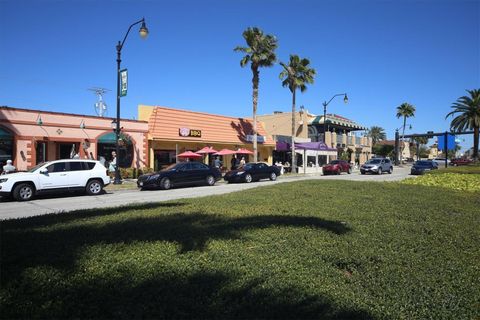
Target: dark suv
pixel 377 165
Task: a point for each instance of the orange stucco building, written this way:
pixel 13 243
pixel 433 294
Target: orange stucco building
pixel 173 131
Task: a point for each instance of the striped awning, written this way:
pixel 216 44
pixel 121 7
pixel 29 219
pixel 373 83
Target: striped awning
pixel 337 120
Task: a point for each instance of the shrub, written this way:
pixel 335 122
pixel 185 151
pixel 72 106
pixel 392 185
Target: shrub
pixel 455 181
pixel 133 173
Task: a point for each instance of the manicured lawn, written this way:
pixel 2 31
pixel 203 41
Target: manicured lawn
pixel 311 249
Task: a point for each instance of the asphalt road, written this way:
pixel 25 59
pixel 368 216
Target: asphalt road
pixel 11 209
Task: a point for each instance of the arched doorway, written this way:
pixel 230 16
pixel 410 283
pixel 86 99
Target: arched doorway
pixel 106 144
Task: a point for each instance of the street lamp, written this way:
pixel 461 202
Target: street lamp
pixel 143 34
pixel 399 148
pixel 325 104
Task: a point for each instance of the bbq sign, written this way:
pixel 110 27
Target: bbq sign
pixel 186 132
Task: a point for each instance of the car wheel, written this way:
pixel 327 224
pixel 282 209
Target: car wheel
pixel 349 170
pixel 273 176
pixel 390 171
pixel 210 180
pixel 165 184
pixel 380 171
pixel 94 187
pixel 362 172
pixel 339 172
pixel 248 178
pixel 23 192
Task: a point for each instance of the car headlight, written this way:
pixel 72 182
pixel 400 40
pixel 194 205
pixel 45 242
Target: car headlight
pixel 3 180
pixel 240 173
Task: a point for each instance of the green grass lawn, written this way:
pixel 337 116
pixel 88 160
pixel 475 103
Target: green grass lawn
pixel 312 249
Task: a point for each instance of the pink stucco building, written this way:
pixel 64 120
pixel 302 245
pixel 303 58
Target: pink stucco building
pixel 29 137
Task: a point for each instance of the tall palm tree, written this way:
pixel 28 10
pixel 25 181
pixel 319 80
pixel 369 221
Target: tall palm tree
pixel 260 52
pixel 296 75
pixel 405 110
pixel 468 108
pixel 377 134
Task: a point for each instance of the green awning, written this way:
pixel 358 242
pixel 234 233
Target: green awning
pixel 110 138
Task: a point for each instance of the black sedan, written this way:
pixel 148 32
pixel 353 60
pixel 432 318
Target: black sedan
pixel 420 167
pixel 180 174
pixel 253 172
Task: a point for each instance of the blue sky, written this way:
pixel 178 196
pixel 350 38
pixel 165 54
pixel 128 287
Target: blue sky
pixel 382 53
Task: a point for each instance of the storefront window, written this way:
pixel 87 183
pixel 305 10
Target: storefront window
pixel 6 147
pixel 163 158
pixel 106 144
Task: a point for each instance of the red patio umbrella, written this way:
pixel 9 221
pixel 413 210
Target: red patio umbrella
pixel 189 154
pixel 206 150
pixel 224 152
pixel 244 151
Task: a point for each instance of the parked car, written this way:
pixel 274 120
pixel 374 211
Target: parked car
pixel 252 172
pixel 377 165
pixel 180 174
pixel 55 176
pixel 337 167
pixel 460 162
pixel 422 166
pixel 441 161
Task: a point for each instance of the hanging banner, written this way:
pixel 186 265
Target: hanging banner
pixel 123 83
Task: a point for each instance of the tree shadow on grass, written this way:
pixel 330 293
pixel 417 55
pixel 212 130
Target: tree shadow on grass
pixel 201 295
pixel 60 247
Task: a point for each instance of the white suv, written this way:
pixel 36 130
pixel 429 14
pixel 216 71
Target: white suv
pixel 55 176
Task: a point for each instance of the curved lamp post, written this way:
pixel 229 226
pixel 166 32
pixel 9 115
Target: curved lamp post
pixel 325 104
pixel 143 34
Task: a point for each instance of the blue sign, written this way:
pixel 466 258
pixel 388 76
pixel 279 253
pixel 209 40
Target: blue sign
pixel 450 142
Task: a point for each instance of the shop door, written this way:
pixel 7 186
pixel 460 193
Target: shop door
pixel 67 150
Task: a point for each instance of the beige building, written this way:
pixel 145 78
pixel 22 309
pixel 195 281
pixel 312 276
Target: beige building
pixel 341 135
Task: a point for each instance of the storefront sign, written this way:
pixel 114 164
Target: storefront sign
pixel 123 82
pixel 186 132
pixel 260 139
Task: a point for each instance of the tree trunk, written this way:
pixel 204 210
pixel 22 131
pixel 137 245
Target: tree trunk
pixel 294 162
pixel 255 82
pixel 475 143
pixel 402 147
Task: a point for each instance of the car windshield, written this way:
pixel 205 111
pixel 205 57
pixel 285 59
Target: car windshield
pixel 38 166
pixel 334 162
pixel 170 167
pixel 246 166
pixel 373 161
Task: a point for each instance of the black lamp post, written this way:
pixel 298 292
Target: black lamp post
pixel 325 104
pixel 143 33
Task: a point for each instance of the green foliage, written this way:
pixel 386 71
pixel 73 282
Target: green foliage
pixel 133 173
pixel 454 181
pixel 377 134
pixel 382 150
pixel 319 249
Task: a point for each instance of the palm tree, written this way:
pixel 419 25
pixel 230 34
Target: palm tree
pixel 468 108
pixel 296 75
pixel 405 110
pixel 260 52
pixel 377 134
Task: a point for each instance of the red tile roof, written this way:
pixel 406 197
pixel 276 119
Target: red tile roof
pixel 165 123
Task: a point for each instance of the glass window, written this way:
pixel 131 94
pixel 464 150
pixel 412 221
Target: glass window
pixel 198 166
pixel 106 144
pixel 76 166
pixel 90 165
pixel 57 167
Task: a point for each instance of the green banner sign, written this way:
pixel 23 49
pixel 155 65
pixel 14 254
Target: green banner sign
pixel 123 83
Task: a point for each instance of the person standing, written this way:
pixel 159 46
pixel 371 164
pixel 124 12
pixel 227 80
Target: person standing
pixel 242 162
pixel 113 163
pixel 234 162
pixel 217 163
pixel 9 167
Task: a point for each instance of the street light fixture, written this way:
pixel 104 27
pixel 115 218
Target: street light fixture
pixel 325 104
pixel 143 34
